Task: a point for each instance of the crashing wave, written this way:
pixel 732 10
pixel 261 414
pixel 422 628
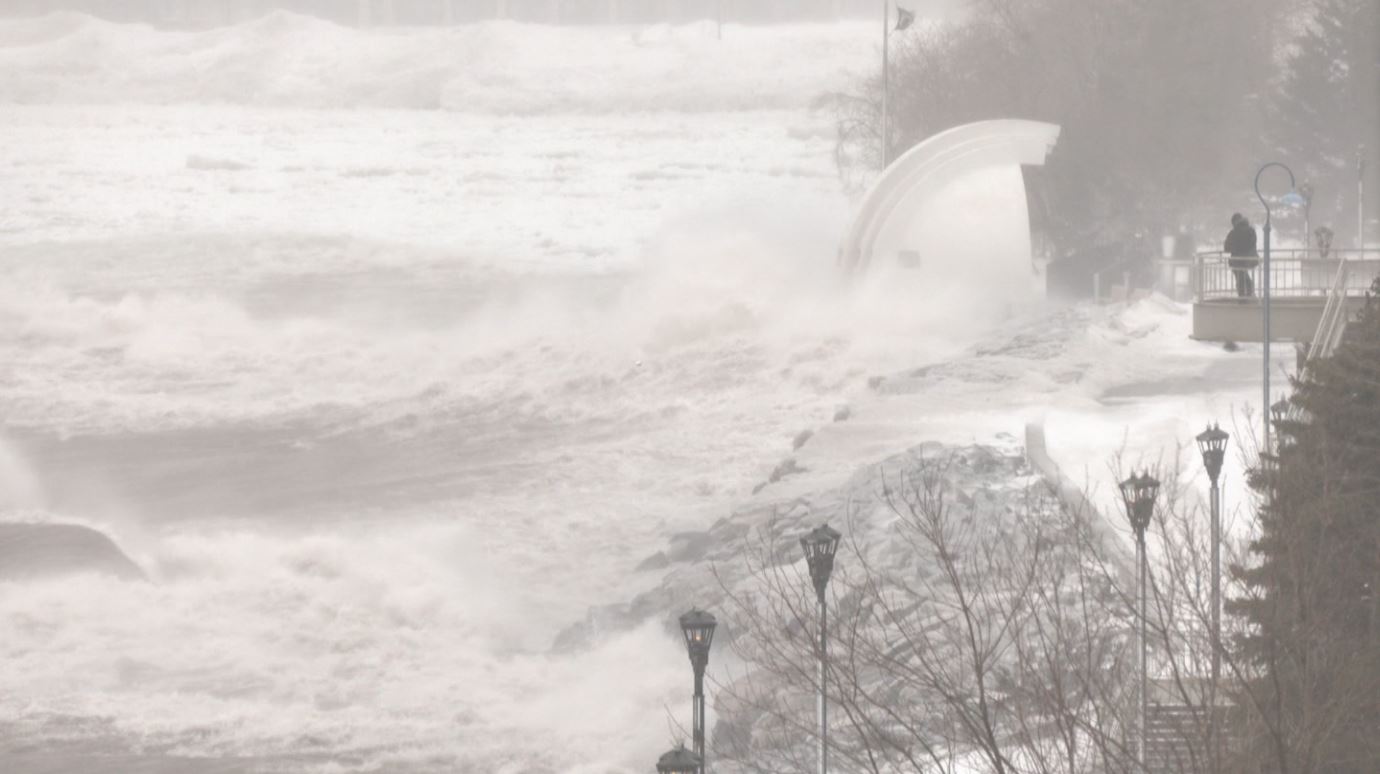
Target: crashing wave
pixel 289 60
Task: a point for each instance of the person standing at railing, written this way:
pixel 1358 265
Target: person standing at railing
pixel 1240 245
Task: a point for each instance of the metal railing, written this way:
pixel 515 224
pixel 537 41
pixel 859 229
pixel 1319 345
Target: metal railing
pixel 1334 318
pixel 1294 273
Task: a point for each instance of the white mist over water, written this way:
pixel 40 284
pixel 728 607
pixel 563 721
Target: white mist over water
pixel 384 399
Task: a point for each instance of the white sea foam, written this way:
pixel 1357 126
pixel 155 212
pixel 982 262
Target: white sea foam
pixel 495 67
pixel 391 403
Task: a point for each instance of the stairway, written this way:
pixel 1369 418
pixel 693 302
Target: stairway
pixel 1177 738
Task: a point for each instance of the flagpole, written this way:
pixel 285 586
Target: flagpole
pixel 886 77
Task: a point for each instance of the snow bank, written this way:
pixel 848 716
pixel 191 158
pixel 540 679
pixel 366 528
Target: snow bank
pixel 285 59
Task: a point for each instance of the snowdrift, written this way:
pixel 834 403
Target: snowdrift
pixel 286 59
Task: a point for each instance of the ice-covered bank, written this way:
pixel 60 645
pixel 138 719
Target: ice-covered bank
pixel 1107 382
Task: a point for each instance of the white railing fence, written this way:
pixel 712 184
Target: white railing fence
pixel 1294 273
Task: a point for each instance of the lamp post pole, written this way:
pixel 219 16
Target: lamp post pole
pixel 1138 493
pixel 698 628
pixel 820 546
pixel 1212 442
pixel 1306 191
pixel 886 79
pixel 1360 196
pixel 1265 292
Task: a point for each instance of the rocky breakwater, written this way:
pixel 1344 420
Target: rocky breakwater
pixel 703 568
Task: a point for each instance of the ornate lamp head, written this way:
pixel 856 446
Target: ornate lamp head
pixel 1139 492
pixel 1279 410
pixel 1212 442
pixel 820 546
pixel 698 628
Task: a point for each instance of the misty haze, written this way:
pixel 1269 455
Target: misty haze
pixel 731 386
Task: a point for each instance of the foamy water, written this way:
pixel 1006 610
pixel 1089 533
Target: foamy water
pixel 388 355
pixel 384 398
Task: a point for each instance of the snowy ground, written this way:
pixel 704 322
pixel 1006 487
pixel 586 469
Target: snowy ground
pixel 385 397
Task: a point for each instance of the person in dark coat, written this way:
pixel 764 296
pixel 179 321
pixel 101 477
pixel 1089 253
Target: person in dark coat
pixel 1240 245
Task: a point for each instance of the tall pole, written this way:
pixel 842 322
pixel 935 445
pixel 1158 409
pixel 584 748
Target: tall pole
pixel 1215 503
pixel 698 719
pixel 1307 192
pixel 1265 295
pixel 1138 493
pixel 1144 651
pixel 1360 196
pixel 1265 357
pixel 823 703
pixel 698 628
pixel 1212 442
pixel 886 81
pixel 819 547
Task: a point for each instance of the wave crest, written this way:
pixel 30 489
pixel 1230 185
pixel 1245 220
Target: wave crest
pixel 285 59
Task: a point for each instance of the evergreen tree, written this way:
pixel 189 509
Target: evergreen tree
pixel 1313 609
pixel 1328 104
pixel 1159 101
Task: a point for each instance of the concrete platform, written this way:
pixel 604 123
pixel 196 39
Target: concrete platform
pixel 1232 319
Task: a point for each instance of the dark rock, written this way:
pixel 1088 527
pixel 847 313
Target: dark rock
pixel 787 468
pixel 842 414
pixel 801 438
pixel 688 546
pixel 657 561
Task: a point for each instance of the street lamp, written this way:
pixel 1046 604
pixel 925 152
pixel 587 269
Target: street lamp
pixel 698 628
pixel 1212 442
pixel 820 546
pixel 1279 410
pixel 1138 493
pixel 1291 198
pixel 678 761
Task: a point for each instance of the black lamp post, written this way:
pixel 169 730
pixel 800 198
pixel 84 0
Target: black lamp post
pixel 1279 410
pixel 820 546
pixel 678 761
pixel 1280 413
pixel 1138 493
pixel 698 627
pixel 1293 197
pixel 1212 442
pixel 1306 194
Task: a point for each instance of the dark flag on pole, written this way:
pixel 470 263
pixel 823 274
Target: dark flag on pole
pixel 904 18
